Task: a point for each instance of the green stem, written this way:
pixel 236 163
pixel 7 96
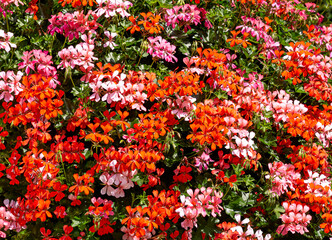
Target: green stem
pixel 228 188
pixel 140 57
pixel 7 23
pixel 122 45
pixel 7 161
pixel 11 58
pixel 152 63
pixel 141 51
pixel 63 168
pixel 72 80
pixel 50 49
pixel 64 43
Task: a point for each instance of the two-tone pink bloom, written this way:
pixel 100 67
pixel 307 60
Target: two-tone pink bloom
pixel 186 15
pixel 116 182
pixel 10 85
pixel 110 8
pixel 182 106
pixel 203 201
pixel 202 162
pixel 116 88
pixel 295 218
pixel 283 177
pixel 40 62
pixel 110 42
pixel 81 55
pixel 4 40
pixel 161 49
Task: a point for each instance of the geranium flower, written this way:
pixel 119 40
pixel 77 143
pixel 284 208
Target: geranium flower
pixel 110 43
pixel 4 40
pixel 160 48
pixel 108 181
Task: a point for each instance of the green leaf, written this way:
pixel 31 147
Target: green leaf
pixel 130 41
pixel 278 210
pixel 113 57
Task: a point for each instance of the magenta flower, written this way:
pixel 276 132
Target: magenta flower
pixel 202 162
pixel 71 24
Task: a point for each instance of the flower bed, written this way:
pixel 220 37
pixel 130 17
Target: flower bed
pixel 162 119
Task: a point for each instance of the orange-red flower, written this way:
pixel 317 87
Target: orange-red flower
pixel 42 211
pixel 82 184
pixel 234 41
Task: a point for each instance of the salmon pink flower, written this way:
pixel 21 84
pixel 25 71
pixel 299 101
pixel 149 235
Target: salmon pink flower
pixel 199 202
pixel 184 106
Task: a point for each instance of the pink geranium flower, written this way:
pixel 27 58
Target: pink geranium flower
pixel 160 48
pixel 110 43
pixel 110 8
pixel 186 15
pixel 106 179
pixel 4 40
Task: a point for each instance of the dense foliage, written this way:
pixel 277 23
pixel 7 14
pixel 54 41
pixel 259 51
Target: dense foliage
pixel 160 119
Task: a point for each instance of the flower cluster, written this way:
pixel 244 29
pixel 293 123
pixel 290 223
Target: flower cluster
pixel 113 87
pixel 236 230
pixel 111 8
pixel 186 15
pixel 120 180
pixel 40 62
pixel 295 218
pixel 5 4
pixel 199 202
pixel 159 48
pixel 139 120
pixel 283 177
pixel 150 24
pixel 183 106
pixel 81 55
pixel 72 24
pixel 8 221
